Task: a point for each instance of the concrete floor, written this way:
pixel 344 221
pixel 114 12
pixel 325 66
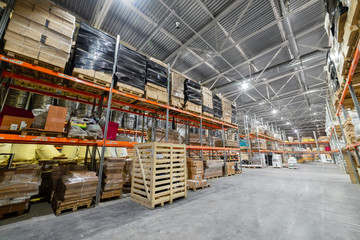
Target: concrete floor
pixel 315 201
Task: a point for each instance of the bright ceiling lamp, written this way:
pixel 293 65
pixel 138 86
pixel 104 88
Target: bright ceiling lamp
pixel 245 85
pixel 296 130
pixel 274 111
pixel 288 123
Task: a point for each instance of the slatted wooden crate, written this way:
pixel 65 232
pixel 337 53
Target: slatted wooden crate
pixel 159 173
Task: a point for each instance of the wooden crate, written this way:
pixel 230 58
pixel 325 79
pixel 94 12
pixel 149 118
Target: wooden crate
pixel 158 174
pixel 192 107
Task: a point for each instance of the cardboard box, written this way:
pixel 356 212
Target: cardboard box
pixel 177 85
pixel 226 109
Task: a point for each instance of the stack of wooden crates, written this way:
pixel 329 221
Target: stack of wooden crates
pixel 159 173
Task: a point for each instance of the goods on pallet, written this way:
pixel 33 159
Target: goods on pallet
pixel 40 31
pixel 113 177
pixel 192 92
pixel 173 136
pixel 228 143
pixel 233 114
pixel 75 189
pixel 177 90
pixel 351 127
pixel 50 118
pixel 213 168
pixel 195 169
pixel 24 153
pixel 230 168
pixel 196 140
pixel 12 118
pixel 159 173
pixel 207 101
pixel 217 106
pixel 19 184
pixel 156 82
pixel 258 159
pixel 276 160
pixel 94 59
pixel 128 171
pixel 259 143
pixel 226 110
pixel 350 165
pixel 58 171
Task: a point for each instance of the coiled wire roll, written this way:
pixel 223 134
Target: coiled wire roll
pixel 17 98
pixel 40 101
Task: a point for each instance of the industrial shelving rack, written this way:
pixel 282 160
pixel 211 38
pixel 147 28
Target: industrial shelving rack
pixel 280 141
pixel 348 87
pixel 137 105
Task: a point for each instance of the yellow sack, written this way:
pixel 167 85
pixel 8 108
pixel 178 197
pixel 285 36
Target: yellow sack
pixel 23 152
pixel 47 152
pixel 5 148
pixel 70 151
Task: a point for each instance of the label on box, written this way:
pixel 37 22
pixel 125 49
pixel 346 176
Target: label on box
pixel 13 126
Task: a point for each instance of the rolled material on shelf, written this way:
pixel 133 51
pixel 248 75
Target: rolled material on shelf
pixel 17 98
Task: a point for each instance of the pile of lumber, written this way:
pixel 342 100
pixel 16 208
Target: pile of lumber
pixel 113 177
pixel 213 168
pixel 76 189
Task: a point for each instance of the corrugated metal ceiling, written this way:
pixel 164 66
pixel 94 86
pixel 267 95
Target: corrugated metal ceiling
pixel 225 44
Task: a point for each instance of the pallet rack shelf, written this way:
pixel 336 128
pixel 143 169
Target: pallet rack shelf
pixel 348 87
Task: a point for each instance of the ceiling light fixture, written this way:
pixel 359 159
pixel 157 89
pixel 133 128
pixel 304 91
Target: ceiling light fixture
pixel 245 85
pixel 296 130
pixel 274 111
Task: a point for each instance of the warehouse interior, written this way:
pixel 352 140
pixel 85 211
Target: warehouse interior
pixel 198 119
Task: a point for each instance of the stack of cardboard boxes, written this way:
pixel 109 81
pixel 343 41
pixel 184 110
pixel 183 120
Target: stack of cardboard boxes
pixel 177 90
pixel 113 177
pixel 195 174
pixel 207 101
pixel 39 30
pixel 16 188
pixel 227 110
pixel 213 168
pixel 75 189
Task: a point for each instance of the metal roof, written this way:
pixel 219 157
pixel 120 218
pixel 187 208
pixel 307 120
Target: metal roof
pixel 228 41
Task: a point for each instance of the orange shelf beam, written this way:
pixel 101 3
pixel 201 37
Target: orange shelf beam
pixel 27 139
pixel 130 96
pixel 350 76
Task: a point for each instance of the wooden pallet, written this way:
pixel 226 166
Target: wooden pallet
pixel 158 174
pixel 14 209
pixel 60 206
pixel 129 89
pixel 177 102
pixel 191 107
pixel 206 114
pixel 85 88
pixel 99 78
pixel 41 132
pixel 107 195
pixel 198 187
pixel 156 93
pixel 213 177
pixel 252 166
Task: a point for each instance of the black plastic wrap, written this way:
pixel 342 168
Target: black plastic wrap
pixel 94 49
pixel 207 109
pixel 131 68
pixel 233 114
pixel 192 92
pixel 156 74
pixel 217 106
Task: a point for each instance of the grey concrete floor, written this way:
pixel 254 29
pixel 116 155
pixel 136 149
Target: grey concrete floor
pixel 315 201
